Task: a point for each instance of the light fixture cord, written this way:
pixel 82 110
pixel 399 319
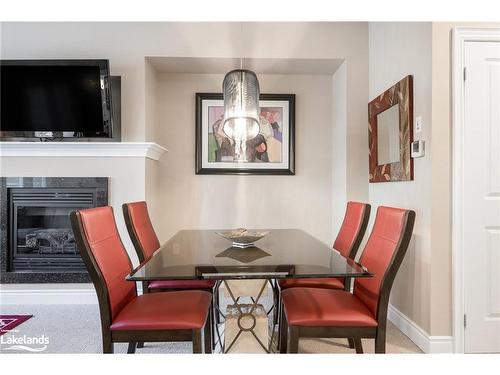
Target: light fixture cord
pixel 241 43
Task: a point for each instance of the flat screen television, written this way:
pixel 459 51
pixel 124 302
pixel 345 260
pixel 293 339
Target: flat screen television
pixel 55 99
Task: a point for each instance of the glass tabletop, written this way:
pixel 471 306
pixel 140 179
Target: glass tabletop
pixel 283 253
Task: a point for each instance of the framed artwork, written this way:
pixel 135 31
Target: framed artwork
pixel 272 152
pixel 390 129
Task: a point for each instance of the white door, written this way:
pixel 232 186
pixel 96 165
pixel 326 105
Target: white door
pixel 481 199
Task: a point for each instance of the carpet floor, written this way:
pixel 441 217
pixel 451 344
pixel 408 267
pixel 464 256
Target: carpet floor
pixel 76 329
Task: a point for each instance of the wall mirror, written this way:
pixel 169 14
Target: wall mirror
pixel 390 130
pixel 388 135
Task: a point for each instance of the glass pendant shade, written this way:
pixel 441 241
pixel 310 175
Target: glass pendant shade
pixel 241 105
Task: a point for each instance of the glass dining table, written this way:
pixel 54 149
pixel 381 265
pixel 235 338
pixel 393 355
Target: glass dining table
pixel 282 254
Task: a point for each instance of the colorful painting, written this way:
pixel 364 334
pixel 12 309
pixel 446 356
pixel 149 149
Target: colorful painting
pixel 270 152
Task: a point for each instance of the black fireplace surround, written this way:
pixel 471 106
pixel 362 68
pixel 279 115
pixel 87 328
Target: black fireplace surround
pixel 37 244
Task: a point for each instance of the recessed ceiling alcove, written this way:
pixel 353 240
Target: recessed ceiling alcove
pixel 319 85
pixel 221 65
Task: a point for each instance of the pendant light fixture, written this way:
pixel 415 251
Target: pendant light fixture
pixel 241 108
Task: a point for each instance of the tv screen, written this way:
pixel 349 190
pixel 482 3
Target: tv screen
pixel 55 98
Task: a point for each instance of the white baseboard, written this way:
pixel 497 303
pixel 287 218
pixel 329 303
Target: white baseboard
pixel 428 344
pixel 50 294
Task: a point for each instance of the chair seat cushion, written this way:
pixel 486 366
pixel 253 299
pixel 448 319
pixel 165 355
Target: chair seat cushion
pixel 327 283
pixel 182 284
pixel 325 308
pixel 164 311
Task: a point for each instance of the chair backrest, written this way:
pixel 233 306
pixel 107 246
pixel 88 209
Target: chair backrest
pixel 140 229
pixel 106 259
pixel 353 229
pixel 382 256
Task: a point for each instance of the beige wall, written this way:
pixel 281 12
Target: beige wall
pixel 339 147
pixel 195 201
pixel 441 292
pixel 150 101
pixel 216 201
pixel 127 44
pixel 397 50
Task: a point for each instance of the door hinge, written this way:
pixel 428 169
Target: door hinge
pixel 465 73
pixel 465 321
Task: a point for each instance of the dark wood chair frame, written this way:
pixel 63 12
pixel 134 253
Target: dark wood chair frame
pixel 290 335
pixel 134 237
pixel 199 337
pixel 347 281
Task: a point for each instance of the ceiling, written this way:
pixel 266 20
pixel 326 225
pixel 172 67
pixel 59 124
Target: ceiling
pixel 221 65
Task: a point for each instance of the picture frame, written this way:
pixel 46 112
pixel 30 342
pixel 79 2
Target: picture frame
pixel 390 132
pixel 272 152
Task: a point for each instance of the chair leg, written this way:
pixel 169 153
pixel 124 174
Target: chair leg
pixel 380 341
pixel 145 289
pixel 107 345
pixel 197 345
pixel 208 332
pixel 283 331
pixel 216 305
pixel 351 343
pixel 212 327
pixel 358 345
pixel 277 302
pixel 131 347
pixel 293 340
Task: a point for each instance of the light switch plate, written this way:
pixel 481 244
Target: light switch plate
pixel 418 124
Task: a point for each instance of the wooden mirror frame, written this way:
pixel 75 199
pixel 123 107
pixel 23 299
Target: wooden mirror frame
pixel 400 94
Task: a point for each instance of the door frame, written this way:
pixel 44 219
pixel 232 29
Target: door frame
pixel 460 35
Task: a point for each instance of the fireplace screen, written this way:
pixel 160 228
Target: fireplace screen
pixel 41 234
pixel 44 230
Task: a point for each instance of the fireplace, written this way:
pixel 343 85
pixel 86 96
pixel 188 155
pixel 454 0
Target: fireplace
pixel 41 238
pixel 40 243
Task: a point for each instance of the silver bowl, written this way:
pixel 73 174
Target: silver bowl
pixel 242 237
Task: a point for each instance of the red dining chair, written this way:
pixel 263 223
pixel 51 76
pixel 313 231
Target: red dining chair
pixel 348 239
pixel 347 243
pixel 316 312
pixel 125 316
pixel 146 242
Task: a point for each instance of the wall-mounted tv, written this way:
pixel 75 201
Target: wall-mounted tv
pixel 55 99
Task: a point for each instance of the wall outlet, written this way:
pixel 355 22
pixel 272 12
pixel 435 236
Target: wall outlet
pixel 418 124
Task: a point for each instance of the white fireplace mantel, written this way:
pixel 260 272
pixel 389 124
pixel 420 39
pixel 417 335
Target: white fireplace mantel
pixel 148 150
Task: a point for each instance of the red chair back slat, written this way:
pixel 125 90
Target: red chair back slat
pixel 106 247
pixel 388 231
pixel 353 228
pixel 141 228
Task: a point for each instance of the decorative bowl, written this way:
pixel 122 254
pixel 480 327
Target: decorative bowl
pixel 242 237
